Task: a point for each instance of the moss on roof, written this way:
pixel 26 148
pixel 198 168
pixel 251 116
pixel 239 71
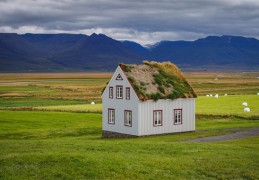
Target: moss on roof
pixel 154 80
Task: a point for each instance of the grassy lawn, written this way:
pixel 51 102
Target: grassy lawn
pixel 50 145
pixel 94 108
pixel 228 105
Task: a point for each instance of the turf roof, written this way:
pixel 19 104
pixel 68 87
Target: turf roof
pixel 154 80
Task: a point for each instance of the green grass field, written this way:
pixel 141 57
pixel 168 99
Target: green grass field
pixel 59 145
pixel 228 105
pixel 36 142
pixel 93 108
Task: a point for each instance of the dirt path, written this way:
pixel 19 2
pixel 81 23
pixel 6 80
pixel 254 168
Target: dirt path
pixel 237 135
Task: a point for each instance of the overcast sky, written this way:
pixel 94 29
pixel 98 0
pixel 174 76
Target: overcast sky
pixel 143 21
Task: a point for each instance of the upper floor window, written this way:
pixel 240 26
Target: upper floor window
pixel 157 117
pixel 119 77
pixel 110 92
pixel 128 118
pixel 111 116
pixel 119 92
pixel 127 93
pixel 178 116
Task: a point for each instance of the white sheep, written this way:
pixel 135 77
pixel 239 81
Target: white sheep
pixel 257 93
pixel 216 96
pixel 246 109
pixel 244 104
pixel 210 94
pixel 226 94
pixel 92 102
pixel 207 95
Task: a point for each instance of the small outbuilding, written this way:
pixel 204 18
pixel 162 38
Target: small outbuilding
pixel 147 99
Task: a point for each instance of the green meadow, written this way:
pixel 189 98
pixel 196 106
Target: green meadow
pixel 59 145
pixel 49 130
pixel 228 105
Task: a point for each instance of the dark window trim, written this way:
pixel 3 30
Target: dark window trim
pixel 125 118
pixel 119 77
pixel 109 115
pixel 117 92
pixel 128 93
pixel 155 125
pixel 111 95
pixel 181 116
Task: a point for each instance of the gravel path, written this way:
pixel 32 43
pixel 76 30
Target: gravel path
pixel 237 135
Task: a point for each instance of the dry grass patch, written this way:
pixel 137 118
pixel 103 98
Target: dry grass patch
pixel 32 76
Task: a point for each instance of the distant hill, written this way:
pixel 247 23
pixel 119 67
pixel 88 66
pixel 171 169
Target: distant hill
pixel 96 52
pixel 213 50
pixel 78 52
pixel 16 54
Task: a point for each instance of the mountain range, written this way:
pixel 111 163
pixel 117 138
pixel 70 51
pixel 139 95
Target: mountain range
pixel 98 52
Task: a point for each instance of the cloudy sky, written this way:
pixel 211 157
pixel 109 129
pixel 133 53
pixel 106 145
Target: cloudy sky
pixel 143 21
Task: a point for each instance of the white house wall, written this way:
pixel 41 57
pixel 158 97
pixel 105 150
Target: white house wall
pixel 146 108
pixel 120 105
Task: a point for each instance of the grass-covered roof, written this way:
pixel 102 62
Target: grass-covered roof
pixel 154 80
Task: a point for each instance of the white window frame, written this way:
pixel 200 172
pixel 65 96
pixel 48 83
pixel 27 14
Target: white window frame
pixel 111 116
pixel 119 92
pixel 128 118
pixel 111 92
pixel 128 93
pixel 158 117
pixel 178 116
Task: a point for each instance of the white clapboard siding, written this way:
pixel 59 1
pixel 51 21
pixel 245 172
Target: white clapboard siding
pixel 120 105
pixel 146 108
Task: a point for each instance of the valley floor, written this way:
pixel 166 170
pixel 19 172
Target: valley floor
pixel 49 130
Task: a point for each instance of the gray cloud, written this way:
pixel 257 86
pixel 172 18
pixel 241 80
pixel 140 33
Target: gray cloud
pixel 142 21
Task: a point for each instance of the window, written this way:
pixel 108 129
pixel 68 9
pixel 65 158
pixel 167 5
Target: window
pixel 119 90
pixel 111 116
pixel 157 117
pixel 119 77
pixel 110 92
pixel 178 116
pixel 128 118
pixel 128 93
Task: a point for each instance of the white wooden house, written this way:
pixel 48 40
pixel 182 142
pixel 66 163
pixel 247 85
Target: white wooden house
pixel 147 99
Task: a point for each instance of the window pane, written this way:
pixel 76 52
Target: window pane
pixel 178 116
pixel 119 91
pixel 111 116
pixel 111 92
pixel 157 116
pixel 128 117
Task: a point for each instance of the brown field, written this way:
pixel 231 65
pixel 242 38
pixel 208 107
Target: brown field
pixel 88 86
pixel 224 82
pixel 7 77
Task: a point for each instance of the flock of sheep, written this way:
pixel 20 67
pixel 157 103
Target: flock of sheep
pixel 216 95
pixel 246 109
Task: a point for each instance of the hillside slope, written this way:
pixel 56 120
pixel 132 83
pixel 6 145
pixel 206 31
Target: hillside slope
pixel 78 52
